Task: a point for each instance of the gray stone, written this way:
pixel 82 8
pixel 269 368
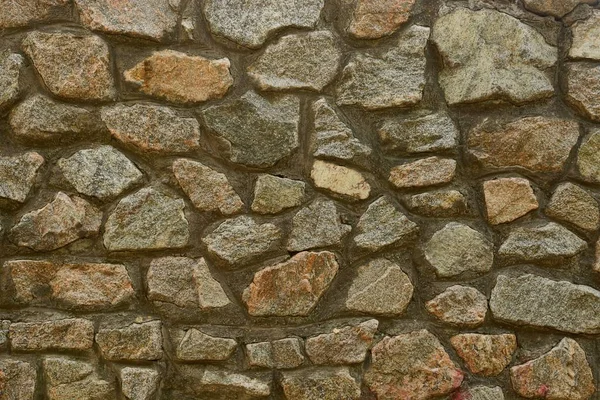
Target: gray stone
pixel 18 174
pixel 73 334
pixel 424 172
pixel 556 8
pixel 459 306
pixel 71 379
pixel 280 354
pixel 17 14
pixel 482 393
pixel 139 383
pixel 573 204
pixel 273 194
pixel 319 384
pixel 230 385
pixel 346 182
pixel 588 157
pixel 440 203
pixel 583 89
pixel 10 71
pixel 17 379
pixel 198 346
pixel 586 37
pixel 429 133
pixel 135 342
pixel 4 328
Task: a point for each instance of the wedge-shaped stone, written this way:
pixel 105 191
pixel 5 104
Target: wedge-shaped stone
pixel 507 199
pixel 346 345
pixel 372 19
pixel 17 379
pixel 344 181
pixel 319 384
pixel 18 174
pixel 459 306
pixel 573 204
pixel 10 71
pixel 224 384
pixel 583 89
pixel 74 334
pixel 588 157
pixel 135 342
pixel 70 379
pixel 198 346
pixel 424 172
pixel 486 355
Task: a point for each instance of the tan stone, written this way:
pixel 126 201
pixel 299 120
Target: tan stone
pixel 507 199
pixel 64 334
pixel 372 19
pixel 341 180
pixel 583 89
pixel 573 204
pixel 557 8
pixel 424 172
pixel 138 341
pixel 459 306
pixel 486 355
pixel 586 38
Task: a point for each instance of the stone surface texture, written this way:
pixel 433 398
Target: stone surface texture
pixel 372 19
pixel 507 199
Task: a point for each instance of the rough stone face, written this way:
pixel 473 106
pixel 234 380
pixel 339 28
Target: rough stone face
pixel 341 180
pixel 181 78
pixel 4 327
pixel 281 354
pixel 588 157
pixel 198 346
pixel 571 203
pixel 70 379
pixel 440 203
pixel 146 220
pixel 562 373
pixel 292 287
pixel 17 14
pixel 541 302
pixel 256 131
pixel 18 174
pixel 586 37
pixel 557 8
pixel 583 89
pixel 485 355
pixel 209 190
pixel 491 56
pixel 229 385
pixel 430 133
pixel 139 383
pixel 373 19
pixel 17 379
pixel 413 365
pixel 424 172
pixel 10 71
pixel 394 78
pixel 136 342
pixel 507 199
pixel 460 306
pixel 65 334
pixel 320 383
pixel 72 65
pixel 481 393
pixel 273 194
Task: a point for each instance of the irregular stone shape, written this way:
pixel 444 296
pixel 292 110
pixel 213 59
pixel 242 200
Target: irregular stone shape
pixel 208 189
pixel 424 172
pixel 380 288
pixel 383 225
pixel 588 157
pixel 557 8
pixel 430 133
pixel 256 131
pixel 186 283
pixel 135 342
pixel 17 379
pixel 75 66
pixel 4 327
pixel 394 78
pixel 485 355
pixel 10 71
pixel 273 194
pixel 17 14
pixel 147 19
pixel 70 379
pixel 292 287
pixel 373 19
pixel 480 393
pixel 317 225
pixel 562 373
pixel 412 366
pixel 66 334
pixel 147 220
pixel 583 89
pixel 18 174
pixel 297 61
pixel 229 385
pixel 139 383
pixel 198 346
pixel 341 180
pixel 586 37
pixel 460 306
pixel 280 354
pixel 347 345
pixel 491 56
pixel 540 302
pixel 181 78
pixel 507 199
pixel 538 144
pixel 573 204
pixel 440 203
pixel 62 221
pixel 320 383
pixel 101 172
pixel 249 23
pixel 241 239
pixel 152 128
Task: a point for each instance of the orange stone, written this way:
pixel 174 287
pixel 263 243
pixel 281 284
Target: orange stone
pixel 373 19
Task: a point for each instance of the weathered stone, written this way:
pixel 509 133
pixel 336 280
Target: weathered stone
pixel 319 384
pixel 424 172
pixel 17 380
pixel 18 174
pixel 297 61
pixel 62 221
pixel 229 385
pixel 433 132
pixel 147 219
pixel 562 373
pixel 541 302
pixel 251 23
pixel 586 37
pixel 460 306
pixel 198 346
pixel 413 365
pixel 583 89
pixel 152 128
pixel 342 180
pixel 65 334
pixel 557 8
pixel 242 239
pixel 139 383
pixel 507 199
pixel 440 203
pixel 588 157
pixel 273 194
pixel 10 71
pixel 4 328
pixel 135 342
pixel 573 204
pixel 181 78
pixel 17 14
pixel 347 345
pixel 209 190
pixel 491 56
pixel 71 379
pixel 281 354
pixel 373 19
pixel 75 66
pixel 485 355
pixel 292 287
pixel 479 393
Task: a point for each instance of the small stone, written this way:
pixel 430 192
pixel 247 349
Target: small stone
pixel 136 342
pixel 413 365
pixel 152 128
pixel 70 379
pixel 317 225
pixel 292 287
pixel 198 346
pixel 480 393
pixel 440 203
pixel 485 355
pixel 139 383
pixel 573 204
pixel 17 378
pixel 18 14
pixel 273 194
pixel 562 373
pixel 280 354
pixel 347 345
pixel 75 66
pixel 586 37
pixel 229 385
pixel 10 72
pixel 459 306
pixel 507 199
pixel 4 328
pixel 424 172
pixel 319 384
pixel 181 78
pixel 583 89
pixel 557 8
pixel 147 220
pixel 341 180
pixel 394 78
pixel 18 174
pixel 373 19
pixel 66 334
pixel 588 158
pixel 208 189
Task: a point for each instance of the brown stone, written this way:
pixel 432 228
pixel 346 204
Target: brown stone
pixel 439 203
pixel 583 89
pixel 320 384
pixel 573 204
pixel 22 13
pixel 281 354
pixel 586 37
pixel 507 199
pixel 372 19
pixel 18 174
pixel 136 342
pixel 557 8
pixel 198 346
pixel 65 334
pixel 17 380
pixel 424 172
pixel 486 355
pixel 460 306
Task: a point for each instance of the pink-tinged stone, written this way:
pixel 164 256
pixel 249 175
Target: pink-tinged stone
pixel 65 334
pixel 507 199
pixel 17 380
pixel 486 355
pixel 22 13
pixel 460 306
pixel 556 8
pixel 372 19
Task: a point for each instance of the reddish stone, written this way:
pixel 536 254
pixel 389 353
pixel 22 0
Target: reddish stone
pixel 373 19
pixel 486 355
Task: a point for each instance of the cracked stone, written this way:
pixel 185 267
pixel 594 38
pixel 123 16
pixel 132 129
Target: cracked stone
pixel 341 180
pixel 198 346
pixel 556 8
pixel 136 342
pixel 588 157
pixel 273 194
pixel 69 379
pixel 139 383
pixel 18 174
pixel 229 385
pixel 586 37
pixel 573 204
pixel 320 383
pixel 507 199
pixel 459 306
pixel 583 89
pixel 74 334
pixel 17 379
pixel 424 172
pixel 485 355
pixel 347 345
pixel 19 14
pixel 280 354
pixel 373 19
pixel 10 71
pixel 440 203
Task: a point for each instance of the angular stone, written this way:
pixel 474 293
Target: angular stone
pixel 18 174
pixel 573 204
pixel 152 128
pixel 273 194
pixel 242 239
pixel 588 157
pixel 135 342
pixel 485 355
pixel 317 225
pixel 101 172
pixel 413 365
pixel 440 203
pixel 4 328
pixel 17 14
pixel 380 288
pixel 181 78
pixel 480 393
pixel 393 78
pixel 292 287
pixel 17 379
pixel 256 131
pixel 491 56
pixel 75 66
pixel 319 384
pixel 229 385
pixel 557 8
pixel 507 199
pixel 250 23
pixel 62 221
pixel 341 180
pixel 10 71
pixel 586 37
pixel 139 383
pixel 280 354
pixel 347 345
pixel 583 89
pixel 430 133
pixel 424 172
pixel 71 379
pixel 74 334
pixel 373 19
pixel 209 190
pixel 562 373
pixel 198 346
pixel 147 220
pixel 460 306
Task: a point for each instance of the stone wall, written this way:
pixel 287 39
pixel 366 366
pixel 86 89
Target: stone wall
pixel 302 200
